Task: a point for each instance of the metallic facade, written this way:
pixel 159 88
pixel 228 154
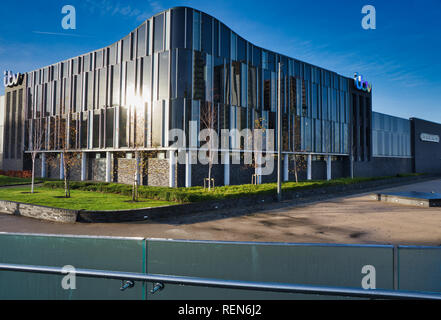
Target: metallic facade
pixel 164 73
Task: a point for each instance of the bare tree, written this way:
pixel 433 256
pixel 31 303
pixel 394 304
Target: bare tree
pixel 65 136
pixel 136 140
pixel 300 163
pixel 257 133
pixel 209 121
pixel 36 143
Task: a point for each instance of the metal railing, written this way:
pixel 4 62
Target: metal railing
pixel 129 279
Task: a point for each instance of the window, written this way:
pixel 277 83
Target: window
pixel 130 83
pixel 112 54
pixel 225 42
pixel 122 127
pixel 147 78
pixel 110 114
pixel 142 44
pixel 90 91
pixel 163 88
pixel 126 48
pixel 199 76
pixel 96 131
pixel 196 31
pixel 178 28
pixel 99 59
pixel 158 38
pixel 235 83
pixel 218 94
pixel 207 34
pixel 102 88
pixel 257 57
pixel 241 50
pixel 116 85
pixel 86 63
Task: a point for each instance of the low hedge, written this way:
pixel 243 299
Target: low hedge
pixel 197 194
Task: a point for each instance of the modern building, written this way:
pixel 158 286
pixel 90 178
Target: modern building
pixel 124 99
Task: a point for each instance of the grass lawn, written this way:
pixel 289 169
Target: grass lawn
pixel 85 200
pixel 196 194
pixel 10 181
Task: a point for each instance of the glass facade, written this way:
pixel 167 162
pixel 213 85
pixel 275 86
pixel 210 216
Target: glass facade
pixel 175 63
pixel 391 136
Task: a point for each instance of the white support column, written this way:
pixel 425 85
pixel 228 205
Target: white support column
pixel 172 169
pixel 83 166
pixel 226 161
pixel 309 168
pixel 329 168
pixel 108 166
pixel 43 165
pixel 258 168
pixel 285 167
pixel 188 169
pixel 61 166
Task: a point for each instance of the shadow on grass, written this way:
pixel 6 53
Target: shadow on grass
pixel 28 192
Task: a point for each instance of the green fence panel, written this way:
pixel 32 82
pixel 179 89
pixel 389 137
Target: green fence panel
pixel 419 268
pixel 308 264
pixel 104 253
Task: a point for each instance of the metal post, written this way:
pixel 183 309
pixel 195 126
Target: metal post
pixel 226 162
pixel 61 166
pixel 83 166
pixel 279 136
pixel 286 167
pixel 43 165
pixel 108 166
pixel 172 169
pixel 309 168
pixel 328 168
pixel 188 169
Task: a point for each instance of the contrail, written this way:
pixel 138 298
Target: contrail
pixel 62 34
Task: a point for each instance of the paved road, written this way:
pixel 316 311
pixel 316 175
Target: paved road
pixel 352 219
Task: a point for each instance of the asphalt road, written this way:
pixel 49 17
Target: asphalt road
pixel 353 219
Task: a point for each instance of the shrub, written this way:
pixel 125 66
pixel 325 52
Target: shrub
pixel 17 173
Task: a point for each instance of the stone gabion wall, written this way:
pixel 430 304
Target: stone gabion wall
pixel 158 172
pixel 124 170
pixel 96 169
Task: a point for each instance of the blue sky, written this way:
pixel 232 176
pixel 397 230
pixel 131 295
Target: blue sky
pixel 402 57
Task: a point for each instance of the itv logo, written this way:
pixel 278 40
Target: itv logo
pixel 11 79
pixel 362 84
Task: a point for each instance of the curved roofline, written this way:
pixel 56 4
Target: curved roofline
pixel 191 8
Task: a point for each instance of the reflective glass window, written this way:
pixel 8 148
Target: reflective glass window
pixel 225 41
pixel 178 28
pixel 142 44
pixel 158 29
pixel 110 114
pixel 126 48
pixel 233 46
pixel 99 59
pixel 123 116
pixel 196 30
pixel 241 50
pixel 207 34
pixel 116 85
pixel 218 85
pixel 147 78
pixel 163 88
pixel 199 66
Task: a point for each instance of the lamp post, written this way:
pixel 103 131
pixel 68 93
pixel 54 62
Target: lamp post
pixel 279 136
